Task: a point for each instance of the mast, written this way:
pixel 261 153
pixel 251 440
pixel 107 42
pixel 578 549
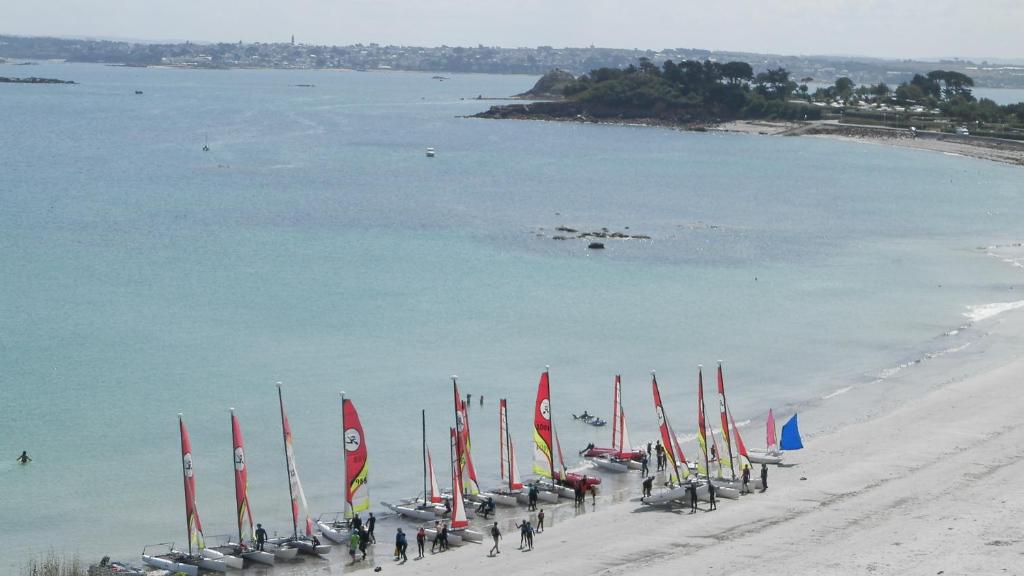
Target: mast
pixel 423 418
pixel 616 445
pixel 703 417
pixel 724 407
pixel 508 443
pixel 287 463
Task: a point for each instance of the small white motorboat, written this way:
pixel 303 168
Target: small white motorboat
pixel 430 153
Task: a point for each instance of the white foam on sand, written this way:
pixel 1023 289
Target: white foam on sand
pixel 839 392
pixel 981 312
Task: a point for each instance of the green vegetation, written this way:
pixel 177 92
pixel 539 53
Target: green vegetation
pixel 53 565
pixel 690 91
pixel 939 100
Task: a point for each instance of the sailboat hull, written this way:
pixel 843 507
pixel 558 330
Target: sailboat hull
pixel 611 465
pixel 170 565
pixel 230 561
pixel 543 495
pixel 414 512
pixel 285 553
pixel 503 498
pixel 764 458
pixel 212 564
pixel 259 557
pixel 679 493
pixel 454 538
pixel 304 546
pixel 337 534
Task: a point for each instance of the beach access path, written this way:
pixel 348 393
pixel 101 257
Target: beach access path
pixel 933 486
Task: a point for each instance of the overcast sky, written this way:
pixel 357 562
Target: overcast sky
pixel 887 28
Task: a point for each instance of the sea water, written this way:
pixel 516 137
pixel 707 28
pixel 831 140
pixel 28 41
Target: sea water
pixel 316 245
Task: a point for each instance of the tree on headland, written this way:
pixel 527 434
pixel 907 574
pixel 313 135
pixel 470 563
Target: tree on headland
pixel 844 87
pixel 774 84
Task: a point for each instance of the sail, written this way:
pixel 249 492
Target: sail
pixel 515 482
pixel 668 439
pixel 435 492
pixel 458 505
pixel 561 458
pixel 192 522
pixel 723 410
pixel 616 415
pixel 791 435
pixel 242 510
pixel 702 438
pixel 741 448
pixel 625 446
pixel 509 468
pixel 357 465
pixel 771 444
pixel 305 526
pixel 469 481
pixel 722 459
pixel 543 465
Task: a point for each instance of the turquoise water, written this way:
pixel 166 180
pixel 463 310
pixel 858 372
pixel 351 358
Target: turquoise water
pixel 316 245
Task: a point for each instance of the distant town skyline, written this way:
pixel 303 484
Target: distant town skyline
pixel 925 29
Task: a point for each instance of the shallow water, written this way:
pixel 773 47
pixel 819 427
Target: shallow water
pixel 316 245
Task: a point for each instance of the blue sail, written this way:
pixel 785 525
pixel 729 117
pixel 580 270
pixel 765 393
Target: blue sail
pixel 791 436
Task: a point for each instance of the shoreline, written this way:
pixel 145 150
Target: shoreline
pixel 921 487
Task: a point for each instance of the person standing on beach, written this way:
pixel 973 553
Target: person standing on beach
pixel 746 478
pixel 693 497
pixel 540 520
pixel 403 544
pixel 421 540
pixel 357 522
pixel 529 536
pixel 261 537
pixel 364 540
pixel 660 454
pixel 481 399
pixel 643 464
pixel 370 523
pixel 522 533
pixel 496 535
pixel 436 541
pixel 711 497
pixel 444 537
pixel 353 545
pixel 24 459
pixel 593 495
pixel 647 485
pixel 764 477
pixel 533 497
pixel 648 450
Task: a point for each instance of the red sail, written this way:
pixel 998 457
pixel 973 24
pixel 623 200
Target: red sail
pixel 192 522
pixel 243 512
pixel 771 443
pixel 722 406
pixel 357 494
pixel 668 439
pixel 543 463
pixel 462 449
pixel 458 515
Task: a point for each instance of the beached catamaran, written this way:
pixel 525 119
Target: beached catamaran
pixel 302 526
pixel 429 507
pixel 176 561
pixel 771 453
pixel 459 526
pixel 621 456
pixel 512 489
pixel 470 486
pixel 677 468
pixel 243 513
pixel 546 446
pixel 357 466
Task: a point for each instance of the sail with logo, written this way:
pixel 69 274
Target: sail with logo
pixel 357 466
pixel 543 464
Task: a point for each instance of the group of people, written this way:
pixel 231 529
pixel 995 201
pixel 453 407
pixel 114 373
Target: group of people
pixel 362 536
pixel 486 508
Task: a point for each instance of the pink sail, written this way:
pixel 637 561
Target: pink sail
pixel 458 505
pixel 466 469
pixel 741 448
pixel 435 492
pixel 192 522
pixel 243 512
pixel 300 524
pixel 543 461
pixel 772 442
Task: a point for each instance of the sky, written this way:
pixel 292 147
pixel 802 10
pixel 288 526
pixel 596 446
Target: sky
pixel 882 28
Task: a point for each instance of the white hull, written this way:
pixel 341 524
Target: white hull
pixel 170 565
pixel 542 496
pixel 737 484
pixel 764 458
pixel 233 562
pixel 285 553
pixel 679 493
pixel 634 465
pixel 304 546
pixel 454 539
pixel 720 492
pixel 212 565
pixel 337 534
pixel 414 512
pixel 611 465
pixel 503 498
pixel 260 557
pixel 563 491
pixel 467 535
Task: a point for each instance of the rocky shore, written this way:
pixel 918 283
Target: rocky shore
pixel 33 80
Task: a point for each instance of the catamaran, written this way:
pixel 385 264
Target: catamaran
pixel 726 487
pixel 545 445
pixel 430 506
pixel 459 523
pixel 243 513
pixel 306 542
pixel 508 494
pixel 771 453
pixel 191 562
pixel 470 486
pixel 680 481
pixel 356 465
pixel 621 456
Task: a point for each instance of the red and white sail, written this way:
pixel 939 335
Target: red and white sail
pixel 301 519
pixel 702 427
pixel 509 467
pixel 771 442
pixel 621 444
pixel 723 409
pixel 458 515
pixel 192 522
pixel 435 492
pixel 543 464
pixel 668 439
pixel 357 465
pixel 466 469
pixel 741 448
pixel 243 512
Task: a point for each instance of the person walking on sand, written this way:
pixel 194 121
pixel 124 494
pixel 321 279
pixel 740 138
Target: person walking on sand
pixel 370 523
pixel 643 466
pixel 496 535
pixel 444 537
pixel 746 478
pixel 402 545
pixel 540 520
pixel 529 536
pixel 711 497
pixel 421 540
pixel 364 540
pixel 532 497
pixel 24 459
pixel 436 540
pixel 522 533
pixel 764 477
pixel 353 545
pixel 261 537
pixel 648 450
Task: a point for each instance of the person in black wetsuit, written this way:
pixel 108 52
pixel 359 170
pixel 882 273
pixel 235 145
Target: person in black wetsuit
pixel 24 459
pixel 711 497
pixel 261 537
pixel 370 523
pixel 764 477
pixel 693 497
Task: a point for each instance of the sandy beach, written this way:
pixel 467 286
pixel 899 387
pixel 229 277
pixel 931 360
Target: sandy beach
pixel 922 487
pixel 992 149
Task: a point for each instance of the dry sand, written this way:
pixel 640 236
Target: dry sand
pixel 925 487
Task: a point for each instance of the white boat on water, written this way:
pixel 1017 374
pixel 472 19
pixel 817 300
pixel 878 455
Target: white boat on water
pixel 336 530
pixel 229 560
pixel 430 153
pixel 611 464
